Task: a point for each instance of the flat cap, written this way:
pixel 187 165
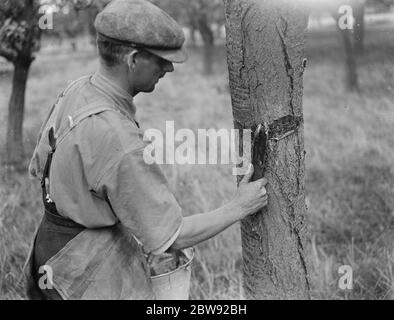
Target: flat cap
pixel 141 24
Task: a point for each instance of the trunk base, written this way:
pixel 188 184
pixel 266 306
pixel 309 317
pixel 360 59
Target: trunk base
pixel 14 144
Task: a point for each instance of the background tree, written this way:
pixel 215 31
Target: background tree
pixel 359 25
pixel 70 23
pixel 201 16
pixel 89 9
pixel 359 8
pixel 351 76
pixel 265 48
pixel 20 37
pixel 359 15
pixel 352 39
pixel 346 34
pixel 19 40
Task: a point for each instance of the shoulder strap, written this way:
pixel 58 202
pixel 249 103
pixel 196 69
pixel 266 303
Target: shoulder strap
pixel 80 115
pixel 55 140
pixel 72 84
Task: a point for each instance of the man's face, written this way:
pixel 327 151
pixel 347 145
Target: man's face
pixel 148 69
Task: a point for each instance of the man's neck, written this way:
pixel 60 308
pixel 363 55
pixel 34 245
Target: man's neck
pixel 116 77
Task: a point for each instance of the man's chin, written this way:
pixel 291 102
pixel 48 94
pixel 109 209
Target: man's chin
pixel 151 89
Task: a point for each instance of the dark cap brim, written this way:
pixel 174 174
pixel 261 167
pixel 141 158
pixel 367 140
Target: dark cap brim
pixel 173 55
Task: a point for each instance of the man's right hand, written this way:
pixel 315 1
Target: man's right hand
pixel 251 195
pixel 250 198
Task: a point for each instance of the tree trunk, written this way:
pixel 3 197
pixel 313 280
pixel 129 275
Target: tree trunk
pixel 209 45
pixel 351 77
pixel 73 45
pixel 22 39
pixel 359 27
pixel 15 113
pixel 193 40
pixel 265 52
pixel 208 58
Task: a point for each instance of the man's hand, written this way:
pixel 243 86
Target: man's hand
pixel 251 196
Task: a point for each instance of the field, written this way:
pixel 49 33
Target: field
pixel 350 165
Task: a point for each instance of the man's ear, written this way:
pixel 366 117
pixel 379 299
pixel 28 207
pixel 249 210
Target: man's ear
pixel 130 59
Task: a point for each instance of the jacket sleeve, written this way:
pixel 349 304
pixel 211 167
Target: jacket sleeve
pixel 142 200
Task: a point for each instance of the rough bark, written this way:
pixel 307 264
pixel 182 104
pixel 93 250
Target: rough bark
pixel 265 48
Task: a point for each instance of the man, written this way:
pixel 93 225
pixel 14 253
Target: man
pixel 106 210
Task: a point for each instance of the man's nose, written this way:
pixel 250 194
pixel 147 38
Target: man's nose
pixel 168 66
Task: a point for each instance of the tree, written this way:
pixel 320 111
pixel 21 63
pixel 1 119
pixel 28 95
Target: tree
pixel 353 39
pixel 351 76
pixel 20 37
pixel 91 9
pixel 265 52
pixel 359 7
pixel 201 15
pixel 19 40
pixel 69 23
pixel 359 13
pixel 359 26
pixel 198 15
pixel 343 11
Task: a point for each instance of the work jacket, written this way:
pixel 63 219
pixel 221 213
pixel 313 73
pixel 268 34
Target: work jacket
pixel 99 180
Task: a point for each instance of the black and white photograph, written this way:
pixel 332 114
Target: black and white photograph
pixel 224 151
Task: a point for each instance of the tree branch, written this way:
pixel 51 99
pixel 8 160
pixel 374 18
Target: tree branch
pixel 8 54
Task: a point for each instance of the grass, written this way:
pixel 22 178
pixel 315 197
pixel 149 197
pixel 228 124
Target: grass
pixel 350 166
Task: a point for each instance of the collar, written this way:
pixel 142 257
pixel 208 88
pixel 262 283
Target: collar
pixel 123 100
